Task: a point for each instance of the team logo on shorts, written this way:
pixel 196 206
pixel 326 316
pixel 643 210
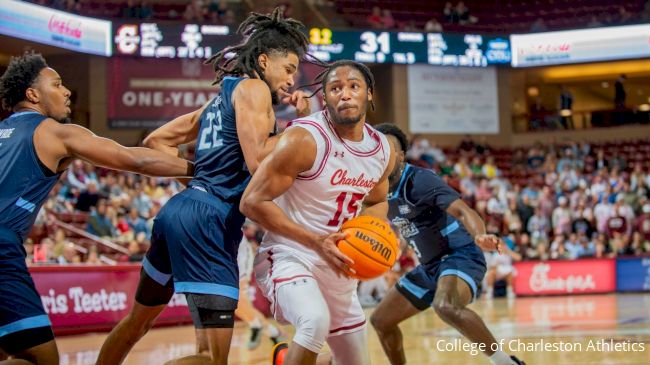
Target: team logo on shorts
pixel 404 209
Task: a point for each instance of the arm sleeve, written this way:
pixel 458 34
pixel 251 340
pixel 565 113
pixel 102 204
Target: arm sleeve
pixel 428 189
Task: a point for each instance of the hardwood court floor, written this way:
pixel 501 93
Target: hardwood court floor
pixel 574 329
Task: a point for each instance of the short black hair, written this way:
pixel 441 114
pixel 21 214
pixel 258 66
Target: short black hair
pixel 321 78
pixel 263 33
pixel 20 75
pixel 390 129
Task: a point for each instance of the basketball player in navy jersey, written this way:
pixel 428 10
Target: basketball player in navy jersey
pixel 196 235
pixel 35 149
pixel 447 236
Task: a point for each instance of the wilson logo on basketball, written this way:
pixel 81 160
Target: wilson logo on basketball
pixel 340 177
pixel 377 246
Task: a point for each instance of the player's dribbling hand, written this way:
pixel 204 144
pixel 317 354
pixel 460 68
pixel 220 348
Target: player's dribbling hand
pixel 300 100
pixel 488 242
pixel 328 250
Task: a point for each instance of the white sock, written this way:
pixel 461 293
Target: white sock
pixel 500 358
pixel 256 323
pixel 489 293
pixel 273 331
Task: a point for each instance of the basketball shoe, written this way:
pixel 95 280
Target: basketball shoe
pixel 279 352
pixel 517 361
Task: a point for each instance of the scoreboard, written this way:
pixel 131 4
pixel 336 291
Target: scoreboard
pixel 470 50
pixel 168 40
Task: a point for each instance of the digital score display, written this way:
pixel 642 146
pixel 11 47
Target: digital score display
pixel 469 50
pixel 163 40
pixel 171 40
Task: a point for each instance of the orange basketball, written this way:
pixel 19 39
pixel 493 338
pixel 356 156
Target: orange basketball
pixel 371 244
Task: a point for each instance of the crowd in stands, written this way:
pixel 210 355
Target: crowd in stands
pixel 556 201
pixel 619 17
pixel 507 16
pixel 222 12
pixel 534 16
pixel 548 202
pixel 119 207
pixel 200 11
pixel 458 14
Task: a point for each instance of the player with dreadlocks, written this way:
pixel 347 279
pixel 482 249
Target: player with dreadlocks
pixel 326 168
pixel 196 235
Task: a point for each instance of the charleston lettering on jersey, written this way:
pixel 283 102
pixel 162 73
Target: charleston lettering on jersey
pixel 340 177
pixel 332 191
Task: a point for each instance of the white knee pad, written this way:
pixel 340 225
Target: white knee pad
pixel 302 304
pixel 312 328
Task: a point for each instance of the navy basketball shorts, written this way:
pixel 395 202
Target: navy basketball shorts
pixel 419 285
pixel 23 321
pixel 194 242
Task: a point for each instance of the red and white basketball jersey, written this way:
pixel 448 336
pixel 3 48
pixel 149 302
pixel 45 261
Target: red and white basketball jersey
pixel 332 191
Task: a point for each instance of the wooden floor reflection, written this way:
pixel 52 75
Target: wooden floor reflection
pixel 576 330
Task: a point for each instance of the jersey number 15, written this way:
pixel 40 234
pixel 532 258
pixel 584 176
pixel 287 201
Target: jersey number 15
pixel 353 207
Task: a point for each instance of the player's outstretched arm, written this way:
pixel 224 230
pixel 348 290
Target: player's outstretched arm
pixel 71 140
pixel 474 225
pixel 254 117
pixel 295 152
pixel 376 203
pixel 181 130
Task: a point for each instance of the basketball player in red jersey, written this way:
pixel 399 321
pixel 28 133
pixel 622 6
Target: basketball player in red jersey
pixel 324 169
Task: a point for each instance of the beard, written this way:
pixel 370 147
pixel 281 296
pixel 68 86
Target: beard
pixel 275 100
pixel 63 118
pixel 394 177
pixel 336 118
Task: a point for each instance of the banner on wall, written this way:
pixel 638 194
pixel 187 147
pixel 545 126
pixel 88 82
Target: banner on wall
pixel 453 101
pixel 146 93
pixel 89 298
pixel 57 28
pixel 584 45
pixel 78 298
pixel 565 277
pixel 633 274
